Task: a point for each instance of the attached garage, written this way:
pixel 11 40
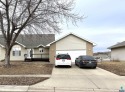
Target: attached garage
pixel 72 45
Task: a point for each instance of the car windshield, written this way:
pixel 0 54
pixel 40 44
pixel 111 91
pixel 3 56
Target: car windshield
pixel 88 58
pixel 63 56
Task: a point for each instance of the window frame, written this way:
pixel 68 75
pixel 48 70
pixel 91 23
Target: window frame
pixel 16 51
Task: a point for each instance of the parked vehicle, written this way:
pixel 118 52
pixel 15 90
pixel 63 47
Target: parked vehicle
pixel 63 59
pixel 86 61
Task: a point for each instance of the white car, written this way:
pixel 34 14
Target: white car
pixel 63 59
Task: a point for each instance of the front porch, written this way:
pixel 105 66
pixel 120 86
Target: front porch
pixel 37 57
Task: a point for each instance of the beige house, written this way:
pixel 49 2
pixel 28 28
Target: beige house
pixel 47 47
pixel 28 46
pixel 118 51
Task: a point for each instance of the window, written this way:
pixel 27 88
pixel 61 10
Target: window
pixel 41 49
pixel 63 56
pixel 16 51
pixel 88 58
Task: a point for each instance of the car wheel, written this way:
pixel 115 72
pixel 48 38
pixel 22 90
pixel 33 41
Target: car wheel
pixel 75 63
pixel 80 66
pixel 70 66
pixel 94 67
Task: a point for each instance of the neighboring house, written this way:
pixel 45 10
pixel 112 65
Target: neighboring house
pixel 47 46
pixel 102 56
pixel 118 51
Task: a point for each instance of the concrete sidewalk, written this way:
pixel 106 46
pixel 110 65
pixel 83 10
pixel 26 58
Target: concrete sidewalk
pixel 13 88
pixel 69 90
pixel 50 89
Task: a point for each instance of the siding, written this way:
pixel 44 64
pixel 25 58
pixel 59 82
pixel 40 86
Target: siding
pixel 45 53
pixel 118 54
pixel 71 42
pixel 2 53
pixel 52 53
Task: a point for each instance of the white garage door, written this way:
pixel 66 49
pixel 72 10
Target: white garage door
pixel 73 53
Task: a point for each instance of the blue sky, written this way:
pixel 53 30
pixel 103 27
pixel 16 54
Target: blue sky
pixel 104 23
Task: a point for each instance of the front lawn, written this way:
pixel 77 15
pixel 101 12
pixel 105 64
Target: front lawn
pixel 21 80
pixel 114 67
pixel 24 68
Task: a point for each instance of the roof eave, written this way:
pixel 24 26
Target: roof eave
pixel 20 44
pixel 2 46
pixel 41 45
pixel 115 47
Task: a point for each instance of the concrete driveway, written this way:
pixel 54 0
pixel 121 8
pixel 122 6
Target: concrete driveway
pixel 76 78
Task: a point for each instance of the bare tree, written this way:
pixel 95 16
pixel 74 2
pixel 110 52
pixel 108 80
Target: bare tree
pixel 32 16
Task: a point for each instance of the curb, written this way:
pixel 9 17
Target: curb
pixel 25 75
pixel 7 88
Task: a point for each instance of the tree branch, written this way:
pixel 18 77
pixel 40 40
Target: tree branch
pixel 18 18
pixel 29 6
pixel 2 27
pixel 23 26
pixel 14 10
pixel 10 2
pixel 2 2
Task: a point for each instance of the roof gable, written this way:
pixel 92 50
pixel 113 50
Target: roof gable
pixel 73 35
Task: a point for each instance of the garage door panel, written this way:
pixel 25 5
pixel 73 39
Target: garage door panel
pixel 73 53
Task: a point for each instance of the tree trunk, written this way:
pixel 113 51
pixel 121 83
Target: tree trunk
pixel 7 57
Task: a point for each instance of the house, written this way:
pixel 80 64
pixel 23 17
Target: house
pixel 102 56
pixel 48 47
pixel 118 51
pixel 31 46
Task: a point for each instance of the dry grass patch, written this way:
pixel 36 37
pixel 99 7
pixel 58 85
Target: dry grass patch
pixel 114 67
pixel 21 80
pixel 24 68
